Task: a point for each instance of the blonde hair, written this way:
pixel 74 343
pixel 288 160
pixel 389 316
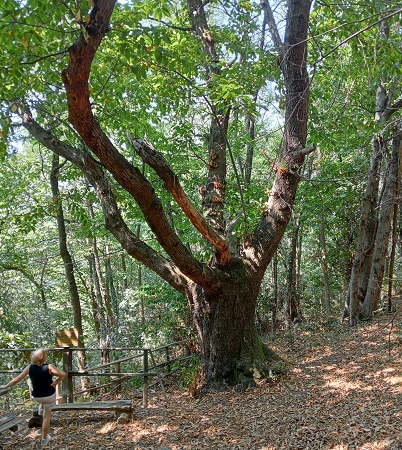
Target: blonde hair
pixel 39 357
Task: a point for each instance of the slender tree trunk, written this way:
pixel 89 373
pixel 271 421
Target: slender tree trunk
pixel 213 195
pixel 394 233
pixel 368 224
pixel 384 228
pixel 142 303
pixel 324 268
pixel 110 286
pixel 106 338
pixel 248 165
pixel 124 269
pixel 400 227
pixel 379 150
pixel 292 309
pixel 68 264
pixel 110 318
pixel 393 247
pixel 139 272
pixel 95 298
pixel 250 122
pixel 275 294
pixel 298 258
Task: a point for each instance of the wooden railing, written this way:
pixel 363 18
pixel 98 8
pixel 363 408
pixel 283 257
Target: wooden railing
pixel 145 363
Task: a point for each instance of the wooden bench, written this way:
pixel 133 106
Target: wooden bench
pixel 121 408
pixel 9 422
pixel 118 406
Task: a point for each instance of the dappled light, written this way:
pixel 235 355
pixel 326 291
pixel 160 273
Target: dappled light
pixel 342 396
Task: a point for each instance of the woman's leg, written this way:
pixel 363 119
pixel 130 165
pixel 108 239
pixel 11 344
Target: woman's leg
pixel 47 412
pixel 47 405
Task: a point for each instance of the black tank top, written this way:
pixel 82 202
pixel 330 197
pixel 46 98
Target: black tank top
pixel 41 380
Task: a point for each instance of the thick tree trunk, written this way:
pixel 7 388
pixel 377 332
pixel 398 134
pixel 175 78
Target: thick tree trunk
pixel 232 352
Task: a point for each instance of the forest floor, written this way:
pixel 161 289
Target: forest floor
pixel 343 391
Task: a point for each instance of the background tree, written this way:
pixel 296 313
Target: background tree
pixel 371 118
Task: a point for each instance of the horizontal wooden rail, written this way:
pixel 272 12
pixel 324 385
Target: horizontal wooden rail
pixel 96 388
pixel 111 374
pixel 101 366
pixel 166 363
pixel 163 361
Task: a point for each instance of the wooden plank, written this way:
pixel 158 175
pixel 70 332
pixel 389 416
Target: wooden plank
pixel 9 422
pixel 111 374
pixel 112 405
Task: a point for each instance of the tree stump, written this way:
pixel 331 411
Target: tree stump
pixel 122 417
pixel 36 420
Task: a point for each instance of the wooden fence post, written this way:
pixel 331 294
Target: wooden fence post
pixel 67 383
pixel 167 355
pixel 145 382
pixel 118 370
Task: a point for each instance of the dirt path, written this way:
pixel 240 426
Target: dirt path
pixel 344 391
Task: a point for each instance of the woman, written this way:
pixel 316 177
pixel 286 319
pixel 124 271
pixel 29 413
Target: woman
pixel 43 387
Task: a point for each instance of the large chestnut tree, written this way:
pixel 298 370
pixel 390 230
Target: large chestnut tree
pixel 121 90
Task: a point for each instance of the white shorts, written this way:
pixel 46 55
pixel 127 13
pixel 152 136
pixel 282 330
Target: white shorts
pixel 47 402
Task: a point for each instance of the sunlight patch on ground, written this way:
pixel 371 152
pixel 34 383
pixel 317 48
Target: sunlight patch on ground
pixel 383 445
pixel 343 385
pixel 390 376
pixel 394 380
pixel 163 428
pixel 107 428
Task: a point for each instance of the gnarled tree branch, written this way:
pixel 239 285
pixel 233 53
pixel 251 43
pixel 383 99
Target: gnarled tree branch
pixel 155 160
pixel 114 222
pixel 75 79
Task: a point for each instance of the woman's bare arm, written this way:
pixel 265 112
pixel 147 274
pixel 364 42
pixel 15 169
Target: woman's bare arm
pixel 17 379
pixel 55 371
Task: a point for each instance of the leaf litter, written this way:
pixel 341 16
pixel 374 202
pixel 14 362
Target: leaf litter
pixel 343 391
